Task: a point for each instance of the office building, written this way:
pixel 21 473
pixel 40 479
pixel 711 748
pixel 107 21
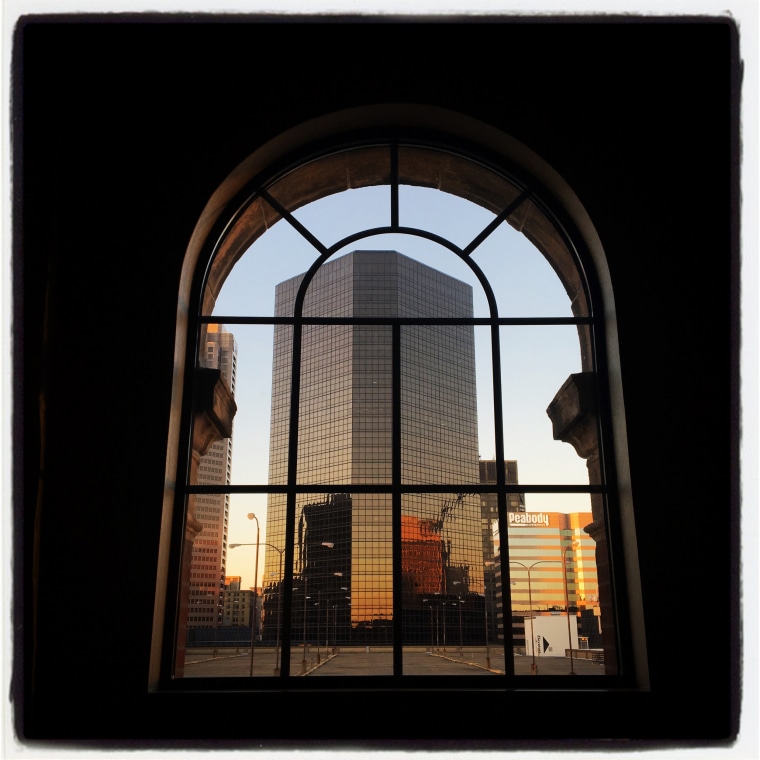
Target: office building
pixel 344 539
pixel 237 605
pixel 552 566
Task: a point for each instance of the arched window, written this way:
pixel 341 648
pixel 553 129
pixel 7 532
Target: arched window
pixel 391 331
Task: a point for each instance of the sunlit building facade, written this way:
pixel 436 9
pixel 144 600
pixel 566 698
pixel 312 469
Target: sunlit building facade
pixel 344 562
pixel 552 566
pixel 238 603
pixel 207 572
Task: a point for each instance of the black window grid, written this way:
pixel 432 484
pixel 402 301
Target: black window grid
pixel 396 489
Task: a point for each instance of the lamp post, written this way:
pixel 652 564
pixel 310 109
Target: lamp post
pixel 327 545
pixel 567 605
pixel 252 516
pixel 533 667
pixel 279 602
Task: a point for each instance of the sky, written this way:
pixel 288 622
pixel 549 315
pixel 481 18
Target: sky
pixel 536 360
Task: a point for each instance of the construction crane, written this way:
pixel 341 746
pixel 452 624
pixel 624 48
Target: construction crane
pixel 437 526
pixel 446 511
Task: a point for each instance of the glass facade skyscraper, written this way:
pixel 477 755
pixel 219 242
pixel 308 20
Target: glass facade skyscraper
pixel 363 426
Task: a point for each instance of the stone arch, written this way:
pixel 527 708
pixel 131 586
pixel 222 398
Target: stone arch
pixel 355 168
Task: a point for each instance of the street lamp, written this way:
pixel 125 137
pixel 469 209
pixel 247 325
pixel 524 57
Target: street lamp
pixel 327 545
pixel 279 601
pixel 567 605
pixel 252 516
pixel 533 667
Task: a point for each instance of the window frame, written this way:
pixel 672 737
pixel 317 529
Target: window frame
pixel 612 450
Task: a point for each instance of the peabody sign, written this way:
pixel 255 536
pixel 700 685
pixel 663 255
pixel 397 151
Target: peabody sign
pixel 528 519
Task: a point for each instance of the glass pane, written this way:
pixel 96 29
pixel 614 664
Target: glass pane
pixel 535 363
pixel 342 585
pixel 335 217
pixel 278 255
pixel 439 408
pixel 442 214
pixel 523 281
pixel 362 172
pixel 325 435
pixel 552 565
pixel 244 355
pixel 201 583
pixel 442 571
pixel 249 585
pixel 279 430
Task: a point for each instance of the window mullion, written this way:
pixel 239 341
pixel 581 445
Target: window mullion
pixel 394 185
pixel 290 514
pixel 396 500
pixel 501 500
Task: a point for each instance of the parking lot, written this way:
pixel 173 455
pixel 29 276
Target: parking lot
pixel 313 661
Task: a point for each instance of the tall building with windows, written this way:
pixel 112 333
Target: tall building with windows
pixel 552 565
pixel 207 573
pixel 344 561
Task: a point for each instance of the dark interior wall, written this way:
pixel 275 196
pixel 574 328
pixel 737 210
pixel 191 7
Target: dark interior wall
pixel 122 131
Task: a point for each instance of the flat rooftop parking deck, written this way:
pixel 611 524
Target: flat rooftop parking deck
pixel 367 661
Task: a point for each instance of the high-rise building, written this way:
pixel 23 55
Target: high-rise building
pixel 207 572
pixel 343 572
pixel 552 566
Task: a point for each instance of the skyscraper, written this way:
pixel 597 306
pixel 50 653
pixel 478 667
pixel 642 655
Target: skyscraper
pixel 552 569
pixel 205 601
pixel 347 437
